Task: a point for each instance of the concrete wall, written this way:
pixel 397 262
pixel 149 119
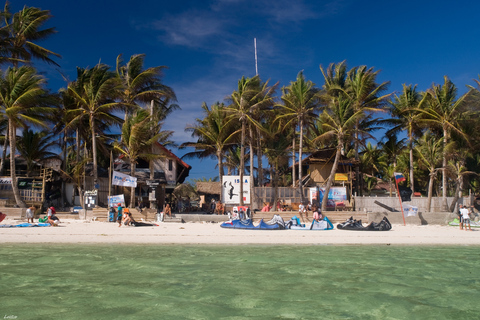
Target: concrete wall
pixel 428 218
pixel 367 204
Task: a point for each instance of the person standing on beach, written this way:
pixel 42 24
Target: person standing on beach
pixel 119 214
pixel 30 213
pixel 465 218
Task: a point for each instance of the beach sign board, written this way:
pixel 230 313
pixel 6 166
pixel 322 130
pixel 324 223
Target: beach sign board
pixel 113 201
pixel 231 189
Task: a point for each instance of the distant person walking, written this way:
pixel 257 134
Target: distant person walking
pixel 119 214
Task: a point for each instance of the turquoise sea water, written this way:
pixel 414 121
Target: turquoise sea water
pixel 238 282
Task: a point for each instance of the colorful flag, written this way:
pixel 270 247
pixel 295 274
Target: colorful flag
pixel 399 177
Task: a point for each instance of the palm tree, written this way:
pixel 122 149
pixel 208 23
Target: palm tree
pixel 444 110
pixel 250 96
pixel 366 97
pixel 215 132
pixel 338 121
pixel 36 147
pixel 142 86
pixel 300 103
pixel 20 96
pixel 406 117
pixel 20 32
pixel 276 147
pixel 95 99
pixel 137 140
pixel 392 147
pixel 429 151
pixel 369 159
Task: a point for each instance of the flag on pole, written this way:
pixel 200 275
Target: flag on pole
pixel 399 177
pixel 120 179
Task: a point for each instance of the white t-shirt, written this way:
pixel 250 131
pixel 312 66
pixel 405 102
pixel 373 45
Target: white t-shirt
pixel 465 213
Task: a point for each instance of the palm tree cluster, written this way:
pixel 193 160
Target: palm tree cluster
pixel 258 121
pixel 344 114
pixel 79 119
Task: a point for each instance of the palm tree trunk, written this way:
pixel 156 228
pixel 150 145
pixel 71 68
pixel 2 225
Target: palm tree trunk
pixel 4 152
pixel 77 143
pixel 242 162
pixel 220 165
pixel 293 161
pixel 357 157
pixel 132 189
pixel 16 191
pixel 259 159
pixel 444 173
pixel 412 182
pixel 252 181
pixel 94 151
pixel 430 189
pixel 275 187
pixel 64 167
pixel 332 175
pixel 458 190
pixel 300 173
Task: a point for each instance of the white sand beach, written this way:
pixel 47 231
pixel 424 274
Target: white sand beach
pixel 78 231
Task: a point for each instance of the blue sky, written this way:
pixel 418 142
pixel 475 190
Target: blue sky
pixel 208 45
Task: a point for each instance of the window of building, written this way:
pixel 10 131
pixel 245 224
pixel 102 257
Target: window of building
pixel 170 165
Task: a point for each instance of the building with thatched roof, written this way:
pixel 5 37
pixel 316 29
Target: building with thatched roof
pixel 208 190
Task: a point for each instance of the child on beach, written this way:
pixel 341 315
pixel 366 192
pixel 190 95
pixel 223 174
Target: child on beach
pixel 119 215
pixel 30 213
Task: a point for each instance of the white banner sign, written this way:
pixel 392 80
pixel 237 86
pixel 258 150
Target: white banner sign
pixel 231 189
pixel 120 179
pixel 409 210
pixel 5 180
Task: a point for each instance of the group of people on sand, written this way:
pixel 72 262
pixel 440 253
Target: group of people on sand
pixel 464 217
pixel 124 216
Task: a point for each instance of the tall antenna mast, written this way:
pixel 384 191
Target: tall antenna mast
pixel 255 44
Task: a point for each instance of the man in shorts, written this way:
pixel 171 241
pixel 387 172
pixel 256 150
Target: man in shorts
pixel 465 218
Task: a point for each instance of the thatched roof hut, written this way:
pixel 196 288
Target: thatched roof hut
pixel 209 188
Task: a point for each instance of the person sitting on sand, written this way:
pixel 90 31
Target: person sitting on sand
pixel 127 217
pixel 317 215
pixel 51 217
pixel 220 209
pixel 168 210
pixel 266 207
